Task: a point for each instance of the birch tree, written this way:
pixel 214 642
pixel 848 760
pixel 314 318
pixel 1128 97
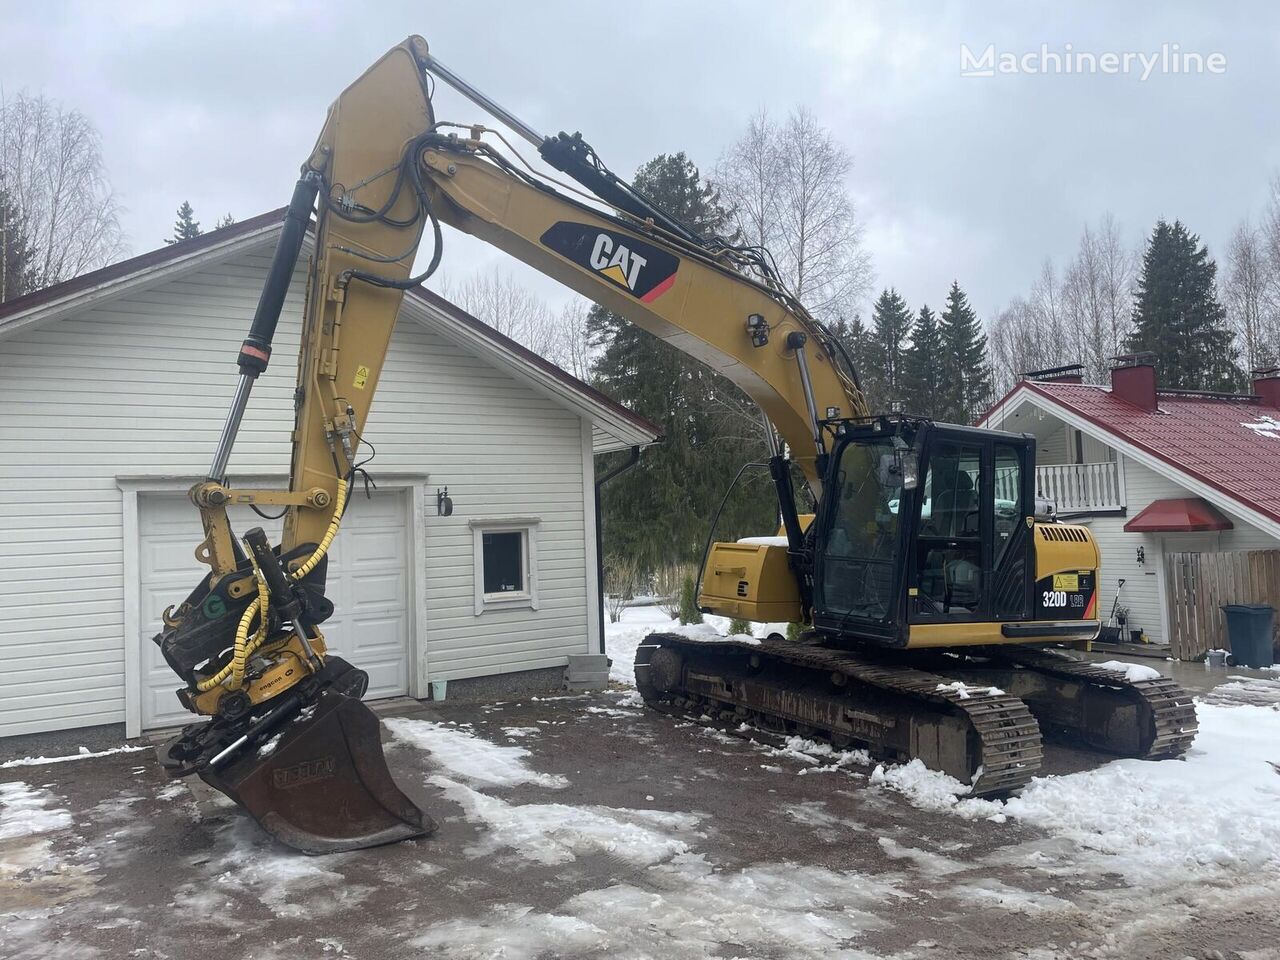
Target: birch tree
pixel 787 188
pixel 51 167
pixel 1248 291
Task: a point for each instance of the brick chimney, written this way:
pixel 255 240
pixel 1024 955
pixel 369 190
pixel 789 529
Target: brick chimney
pixel 1133 379
pixel 1266 384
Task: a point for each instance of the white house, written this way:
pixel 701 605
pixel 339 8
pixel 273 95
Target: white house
pixel 113 390
pixel 1153 472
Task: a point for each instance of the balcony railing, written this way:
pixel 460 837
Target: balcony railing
pixel 1081 487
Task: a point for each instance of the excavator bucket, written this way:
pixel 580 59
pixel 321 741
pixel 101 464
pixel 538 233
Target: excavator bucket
pixel 322 784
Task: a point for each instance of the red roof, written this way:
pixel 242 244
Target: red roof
pixel 1231 444
pixel 1178 515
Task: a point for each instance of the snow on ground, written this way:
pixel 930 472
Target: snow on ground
pixel 622 638
pixel 84 754
pixel 27 811
pixel 469 757
pixel 1217 810
pixel 246 866
pixel 684 909
pixel 1158 824
pixel 560 833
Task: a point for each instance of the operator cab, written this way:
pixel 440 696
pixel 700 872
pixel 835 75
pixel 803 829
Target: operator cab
pixel 924 523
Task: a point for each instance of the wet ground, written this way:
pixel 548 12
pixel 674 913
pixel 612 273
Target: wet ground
pixel 620 833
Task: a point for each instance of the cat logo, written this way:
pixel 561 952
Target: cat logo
pixel 616 262
pixel 626 262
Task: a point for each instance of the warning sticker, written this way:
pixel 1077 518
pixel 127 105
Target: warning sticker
pixel 361 378
pixel 1069 582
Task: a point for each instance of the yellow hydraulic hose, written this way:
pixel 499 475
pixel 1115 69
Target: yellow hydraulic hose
pixel 340 502
pixel 243 646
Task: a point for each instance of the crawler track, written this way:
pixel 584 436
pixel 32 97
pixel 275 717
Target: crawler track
pixel 984 731
pixel 988 740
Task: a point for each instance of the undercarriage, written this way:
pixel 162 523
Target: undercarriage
pixel 977 716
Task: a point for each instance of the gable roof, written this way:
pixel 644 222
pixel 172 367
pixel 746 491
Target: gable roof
pixel 614 425
pixel 1225 448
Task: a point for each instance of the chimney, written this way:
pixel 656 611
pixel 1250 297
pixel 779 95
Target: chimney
pixel 1133 380
pixel 1266 384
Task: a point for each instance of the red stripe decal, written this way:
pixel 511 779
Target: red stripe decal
pixel 255 352
pixel 1092 607
pixel 659 290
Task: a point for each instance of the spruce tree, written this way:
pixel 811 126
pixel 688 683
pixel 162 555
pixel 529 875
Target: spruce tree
pixel 1177 315
pixel 658 513
pixel 921 374
pixel 186 226
pixel 886 350
pixel 17 272
pixel 226 220
pixel 965 379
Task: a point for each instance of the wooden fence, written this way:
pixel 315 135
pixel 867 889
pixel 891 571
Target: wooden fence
pixel 1198 584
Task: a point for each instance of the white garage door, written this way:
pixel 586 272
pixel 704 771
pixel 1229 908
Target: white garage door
pixel 368 582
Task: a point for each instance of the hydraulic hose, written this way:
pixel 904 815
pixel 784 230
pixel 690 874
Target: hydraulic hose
pixel 244 647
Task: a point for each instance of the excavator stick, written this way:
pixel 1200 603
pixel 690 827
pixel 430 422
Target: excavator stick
pixel 311 771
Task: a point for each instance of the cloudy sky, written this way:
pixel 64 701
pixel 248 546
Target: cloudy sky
pixel 974 178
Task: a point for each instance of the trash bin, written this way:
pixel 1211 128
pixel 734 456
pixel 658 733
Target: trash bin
pixel 1249 633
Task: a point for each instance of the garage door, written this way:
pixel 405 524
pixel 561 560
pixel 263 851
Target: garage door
pixel 368 583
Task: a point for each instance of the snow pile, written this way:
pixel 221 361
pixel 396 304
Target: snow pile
pixel 622 638
pixel 554 833
pixel 686 909
pixel 1219 808
pixel 28 811
pixel 964 691
pixel 469 757
pixel 1133 672
pixel 934 790
pixel 84 754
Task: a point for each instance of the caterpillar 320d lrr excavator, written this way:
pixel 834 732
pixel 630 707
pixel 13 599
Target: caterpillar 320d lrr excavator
pixel 933 591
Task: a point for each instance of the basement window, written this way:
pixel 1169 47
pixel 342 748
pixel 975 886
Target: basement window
pixel 506 563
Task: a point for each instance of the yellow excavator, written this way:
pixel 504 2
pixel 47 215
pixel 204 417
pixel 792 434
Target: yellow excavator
pixel 934 587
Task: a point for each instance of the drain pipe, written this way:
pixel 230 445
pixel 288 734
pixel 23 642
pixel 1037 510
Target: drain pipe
pixel 620 469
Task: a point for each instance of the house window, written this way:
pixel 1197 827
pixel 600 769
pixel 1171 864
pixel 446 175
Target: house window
pixel 503 561
pixel 506 563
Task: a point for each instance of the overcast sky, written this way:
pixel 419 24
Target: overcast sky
pixel 973 178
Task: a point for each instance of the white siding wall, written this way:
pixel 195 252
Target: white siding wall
pixel 1142 592
pixel 140 385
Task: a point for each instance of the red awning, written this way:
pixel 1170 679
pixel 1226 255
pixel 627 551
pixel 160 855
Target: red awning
pixel 1185 515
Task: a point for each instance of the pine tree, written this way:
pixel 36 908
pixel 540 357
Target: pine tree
pixel 921 368
pixel 1177 315
pixel 886 350
pixel 186 226
pixel 658 513
pixel 226 220
pixel 17 269
pixel 965 378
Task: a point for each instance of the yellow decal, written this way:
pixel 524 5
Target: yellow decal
pixel 362 377
pixel 1069 582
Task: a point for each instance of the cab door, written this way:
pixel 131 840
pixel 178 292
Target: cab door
pixel 972 540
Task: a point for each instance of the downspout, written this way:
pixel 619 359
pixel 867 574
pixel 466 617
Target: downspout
pixel 620 469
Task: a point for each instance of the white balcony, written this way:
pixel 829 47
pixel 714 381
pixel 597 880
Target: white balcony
pixel 1081 487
